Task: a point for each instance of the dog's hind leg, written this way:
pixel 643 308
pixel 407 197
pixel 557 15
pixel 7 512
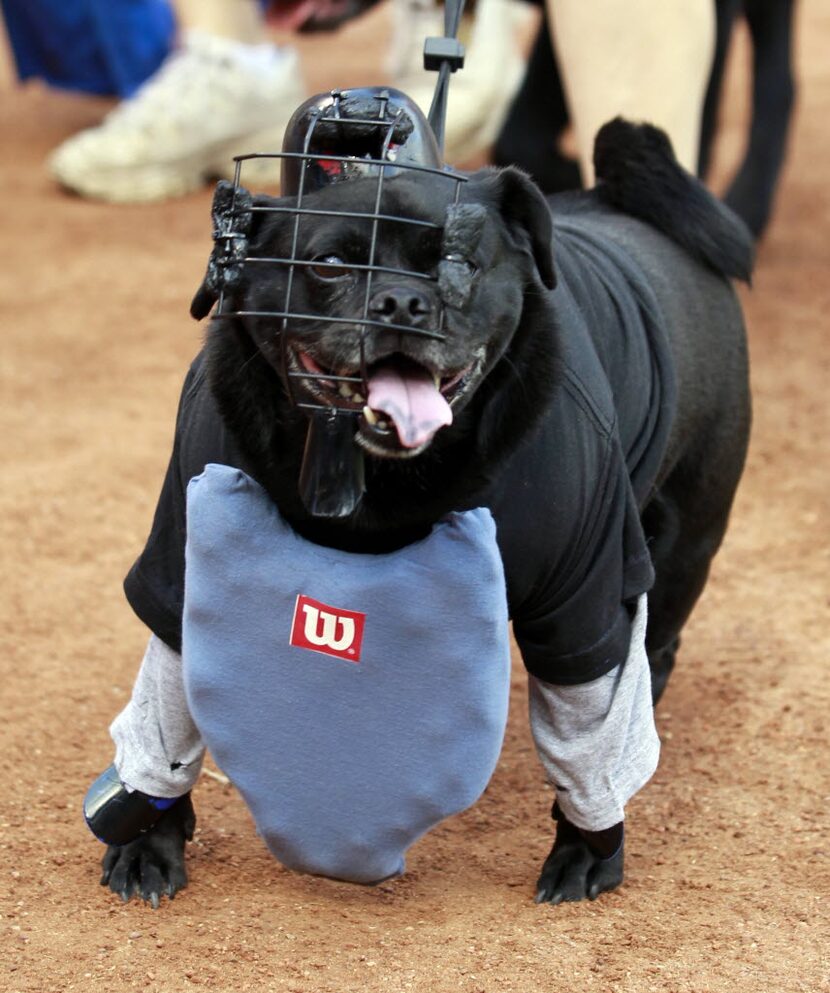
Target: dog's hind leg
pixel 681 561
pixel 684 523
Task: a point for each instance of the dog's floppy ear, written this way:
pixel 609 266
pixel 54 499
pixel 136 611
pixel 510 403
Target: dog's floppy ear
pixel 526 213
pixel 231 213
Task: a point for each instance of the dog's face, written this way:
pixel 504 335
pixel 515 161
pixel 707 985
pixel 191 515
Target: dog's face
pixel 382 345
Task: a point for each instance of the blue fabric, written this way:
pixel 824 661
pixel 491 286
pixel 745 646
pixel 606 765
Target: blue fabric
pixel 344 764
pixel 97 46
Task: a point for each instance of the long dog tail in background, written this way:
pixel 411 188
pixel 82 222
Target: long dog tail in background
pixel 638 174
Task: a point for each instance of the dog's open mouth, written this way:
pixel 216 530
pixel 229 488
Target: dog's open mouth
pixel 400 404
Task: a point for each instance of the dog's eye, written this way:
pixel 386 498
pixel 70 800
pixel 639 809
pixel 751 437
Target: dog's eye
pixel 330 267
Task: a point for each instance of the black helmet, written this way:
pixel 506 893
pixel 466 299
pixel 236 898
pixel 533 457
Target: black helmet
pixel 346 133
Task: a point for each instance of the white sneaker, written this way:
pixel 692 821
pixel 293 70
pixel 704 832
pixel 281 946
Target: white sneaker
pixel 212 98
pixel 481 92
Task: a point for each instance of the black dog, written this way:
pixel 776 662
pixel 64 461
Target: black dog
pixel 596 372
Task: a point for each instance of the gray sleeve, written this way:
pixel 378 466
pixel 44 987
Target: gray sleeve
pixel 597 740
pixel 158 749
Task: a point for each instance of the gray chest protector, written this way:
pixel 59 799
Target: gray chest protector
pixel 354 700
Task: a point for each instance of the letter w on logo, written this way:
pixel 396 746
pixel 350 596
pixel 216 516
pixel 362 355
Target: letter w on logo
pixel 319 627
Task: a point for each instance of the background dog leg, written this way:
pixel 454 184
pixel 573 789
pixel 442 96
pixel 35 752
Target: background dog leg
pixel 773 93
pixel 537 118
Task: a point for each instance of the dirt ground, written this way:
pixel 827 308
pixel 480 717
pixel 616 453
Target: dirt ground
pixel 728 872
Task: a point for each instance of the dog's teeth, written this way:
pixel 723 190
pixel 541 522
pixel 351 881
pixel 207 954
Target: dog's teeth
pixel 357 398
pixel 437 380
pixel 370 415
pixel 345 391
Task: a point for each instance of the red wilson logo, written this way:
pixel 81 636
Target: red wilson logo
pixel 328 630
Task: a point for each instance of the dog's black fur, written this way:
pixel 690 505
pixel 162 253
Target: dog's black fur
pixel 686 243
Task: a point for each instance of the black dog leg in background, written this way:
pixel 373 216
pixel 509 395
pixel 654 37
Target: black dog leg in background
pixel 773 93
pixel 538 116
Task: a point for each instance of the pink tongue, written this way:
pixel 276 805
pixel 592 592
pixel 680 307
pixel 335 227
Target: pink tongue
pixel 410 398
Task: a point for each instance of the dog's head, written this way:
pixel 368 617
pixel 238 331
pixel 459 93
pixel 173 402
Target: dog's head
pixel 397 317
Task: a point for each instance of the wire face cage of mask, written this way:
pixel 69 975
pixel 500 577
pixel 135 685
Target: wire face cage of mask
pixel 361 133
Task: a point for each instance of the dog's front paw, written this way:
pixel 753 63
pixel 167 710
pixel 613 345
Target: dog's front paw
pixel 152 865
pixel 575 870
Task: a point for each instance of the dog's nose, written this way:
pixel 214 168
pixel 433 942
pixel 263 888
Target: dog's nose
pixel 402 305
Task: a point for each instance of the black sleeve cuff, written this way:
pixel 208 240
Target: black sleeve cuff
pixel 579 667
pixel 164 622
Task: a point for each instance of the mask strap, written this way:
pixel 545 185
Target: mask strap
pixel 332 479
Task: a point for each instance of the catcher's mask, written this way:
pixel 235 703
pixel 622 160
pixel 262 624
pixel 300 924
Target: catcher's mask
pixel 333 138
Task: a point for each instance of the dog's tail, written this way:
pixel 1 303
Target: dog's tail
pixel 638 174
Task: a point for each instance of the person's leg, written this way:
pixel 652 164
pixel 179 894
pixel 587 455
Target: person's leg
pixel 225 90
pixel 88 47
pixel 7 73
pixel 480 93
pixel 643 60
pixel 240 20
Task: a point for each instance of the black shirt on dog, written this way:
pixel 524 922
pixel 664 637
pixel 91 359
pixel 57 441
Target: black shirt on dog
pixel 567 502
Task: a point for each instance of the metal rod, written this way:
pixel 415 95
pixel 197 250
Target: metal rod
pixel 323 318
pixel 328 377
pixel 307 211
pixel 294 242
pixel 358 267
pixel 385 163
